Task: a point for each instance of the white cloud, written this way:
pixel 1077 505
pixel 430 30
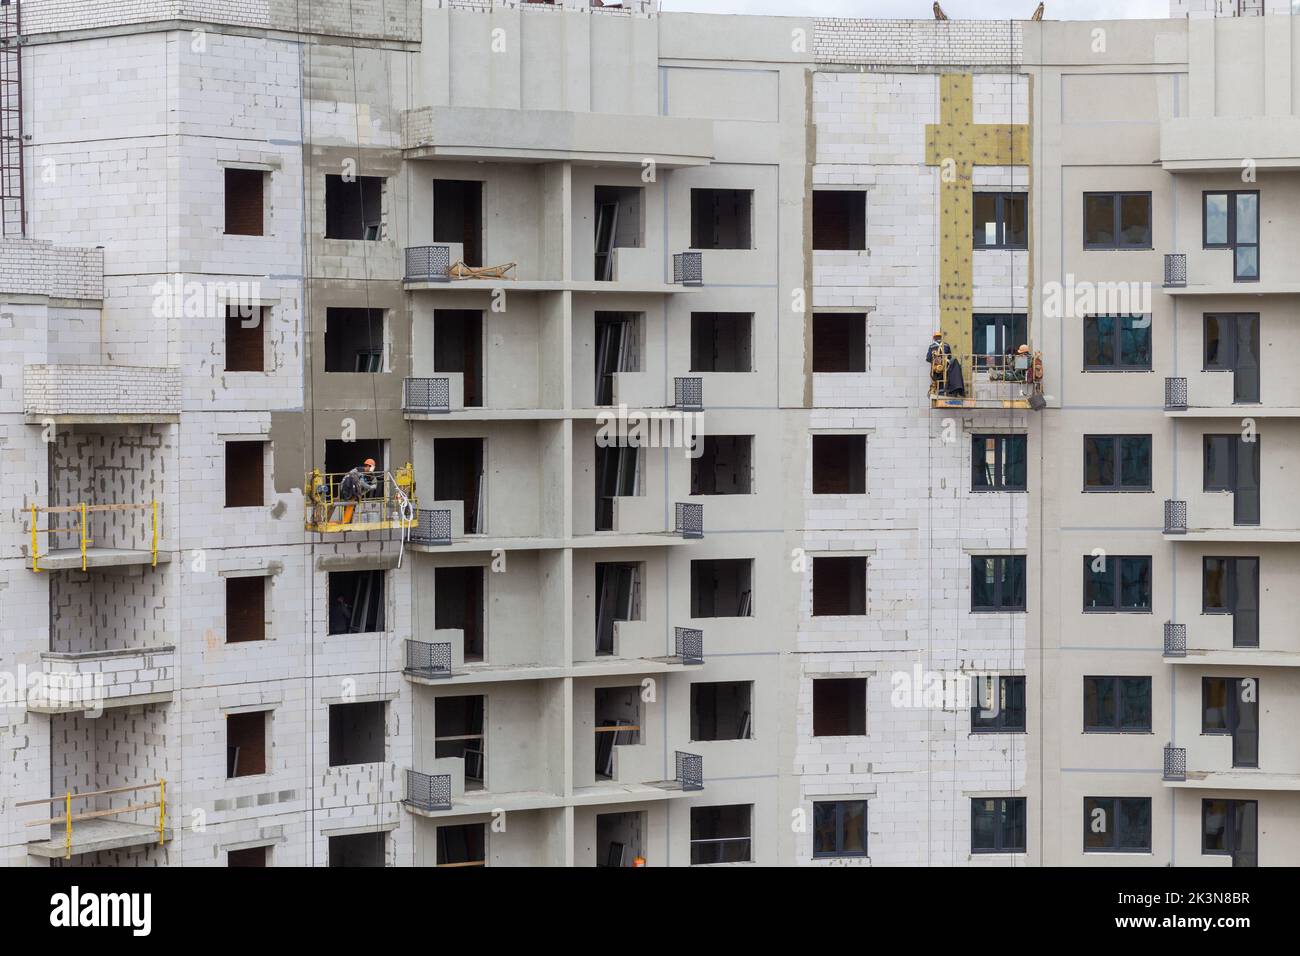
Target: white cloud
pixel 920 9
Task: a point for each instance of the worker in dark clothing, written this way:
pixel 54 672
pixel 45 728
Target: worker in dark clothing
pixel 356 484
pixel 945 371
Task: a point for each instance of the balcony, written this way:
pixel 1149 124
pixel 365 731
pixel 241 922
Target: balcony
pixel 1204 144
pixel 90 394
pixel 92 681
pixel 1214 400
pixel 689 644
pixel 689 520
pixel 329 509
pixel 432 396
pixel 479 134
pixel 101 828
pixel 428 793
pixel 1175 639
pixel 1175 517
pixel 105 535
pixel 688 393
pixel 1205 276
pixel 429 660
pixel 1175 765
pixel 688 268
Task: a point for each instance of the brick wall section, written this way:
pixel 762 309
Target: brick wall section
pixel 378 19
pixel 31 267
pixel 121 674
pixel 101 390
pixel 918 42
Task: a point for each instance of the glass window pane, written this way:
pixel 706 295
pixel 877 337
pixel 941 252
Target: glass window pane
pixel 983 823
pixel 1099 827
pixel 1216 219
pixel 1135 461
pixel 1099 583
pixel 1099 341
pixel 1214 825
pixel 823 828
pixel 1135 703
pixel 1218 462
pixel 1214 703
pixel 986 220
pixel 1133 825
pixel 1246 263
pixel 1014 454
pixel 1099 220
pixel 1013 703
pixel 1219 340
pixel 1214 584
pixel 1135 341
pixel 854 816
pixel 1098 702
pixel 1013 583
pixel 985 472
pixel 1013 830
pixel 981 582
pixel 1098 461
pixel 985 341
pixel 1015 215
pixel 1247 218
pixel 1135 220
pixel 1135 584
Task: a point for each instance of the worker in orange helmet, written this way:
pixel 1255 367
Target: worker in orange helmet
pixel 356 484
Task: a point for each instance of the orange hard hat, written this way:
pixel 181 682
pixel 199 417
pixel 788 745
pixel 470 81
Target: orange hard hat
pixel 939 334
pixel 370 462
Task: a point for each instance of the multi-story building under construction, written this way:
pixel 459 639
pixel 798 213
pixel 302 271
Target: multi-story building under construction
pixel 679 547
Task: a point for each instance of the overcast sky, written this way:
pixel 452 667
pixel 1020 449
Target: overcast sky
pixel 920 9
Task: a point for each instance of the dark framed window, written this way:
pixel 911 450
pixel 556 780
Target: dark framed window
pixel 1231 586
pixel 1115 705
pixel 721 834
pixel 1226 701
pixel 1001 220
pixel 1230 220
pixel 1117 343
pixel 1003 712
pixel 1117 220
pixel 1230 828
pixel 997 824
pixel 996 333
pixel 1116 462
pixel 998 462
pixel 997 582
pixel 839 219
pixel 1116 824
pixel 1117 583
pixel 840 828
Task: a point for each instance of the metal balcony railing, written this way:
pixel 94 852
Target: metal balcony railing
pixel 1175 517
pixel 688 268
pixel 1175 763
pixel 689 520
pixel 1175 270
pixel 426 659
pixel 1175 394
pixel 82 514
pixel 690 771
pixel 688 393
pixel 428 263
pixel 689 644
pixel 428 791
pixel 1175 639
pixel 431 395
pixel 432 526
pixel 95 816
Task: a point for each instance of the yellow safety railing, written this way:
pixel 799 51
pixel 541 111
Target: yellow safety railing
pixel 68 817
pixel 391 504
pixel 83 511
pixel 989 381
